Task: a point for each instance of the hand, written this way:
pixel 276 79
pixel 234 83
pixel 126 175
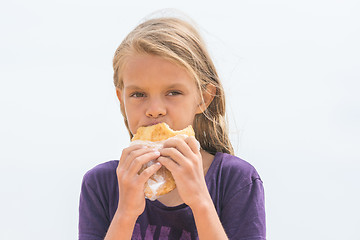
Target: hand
pixel 183 159
pixel 131 184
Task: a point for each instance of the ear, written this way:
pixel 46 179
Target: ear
pixel 119 95
pixel 208 96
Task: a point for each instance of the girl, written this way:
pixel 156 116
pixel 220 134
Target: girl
pixel 163 73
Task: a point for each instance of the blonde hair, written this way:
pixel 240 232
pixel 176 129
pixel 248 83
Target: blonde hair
pixel 178 41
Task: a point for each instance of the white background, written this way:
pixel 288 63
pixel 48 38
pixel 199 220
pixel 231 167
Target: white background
pixel 291 74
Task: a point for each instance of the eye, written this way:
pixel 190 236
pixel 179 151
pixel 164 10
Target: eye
pixel 137 95
pixel 174 93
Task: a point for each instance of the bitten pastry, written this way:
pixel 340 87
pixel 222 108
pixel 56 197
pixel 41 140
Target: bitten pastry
pixel 153 136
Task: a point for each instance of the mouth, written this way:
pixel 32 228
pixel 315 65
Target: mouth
pixel 151 124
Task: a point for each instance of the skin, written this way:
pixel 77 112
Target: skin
pixel 158 90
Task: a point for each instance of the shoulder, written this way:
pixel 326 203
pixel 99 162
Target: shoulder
pixel 103 172
pixel 98 200
pixel 236 170
pixel 236 166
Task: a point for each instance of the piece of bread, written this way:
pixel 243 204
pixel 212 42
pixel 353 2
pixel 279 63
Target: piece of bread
pixel 153 136
pixel 160 132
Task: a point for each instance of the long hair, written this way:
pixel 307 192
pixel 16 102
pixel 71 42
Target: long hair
pixel 178 41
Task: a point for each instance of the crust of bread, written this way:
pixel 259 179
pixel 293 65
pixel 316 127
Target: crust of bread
pixel 156 133
pixel 160 132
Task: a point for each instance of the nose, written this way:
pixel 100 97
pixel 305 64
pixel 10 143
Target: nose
pixel 156 108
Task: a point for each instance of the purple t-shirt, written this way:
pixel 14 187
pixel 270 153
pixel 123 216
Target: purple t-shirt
pixel 234 186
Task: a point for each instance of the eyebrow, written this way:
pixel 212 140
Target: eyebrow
pixel 132 87
pixel 175 85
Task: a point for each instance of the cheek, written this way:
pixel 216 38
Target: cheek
pixel 132 125
pixel 132 115
pixel 185 112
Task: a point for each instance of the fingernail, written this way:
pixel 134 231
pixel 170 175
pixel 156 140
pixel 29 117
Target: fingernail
pixel 157 152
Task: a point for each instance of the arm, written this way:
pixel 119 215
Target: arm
pixel 121 227
pixel 242 217
pixel 93 212
pixel 207 221
pixel 184 160
pixel 131 190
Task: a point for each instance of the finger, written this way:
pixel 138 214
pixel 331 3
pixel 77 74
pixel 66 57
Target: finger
pixel 140 160
pixel 180 145
pixel 169 164
pixel 127 151
pixel 193 144
pixel 173 154
pixel 148 172
pixel 135 154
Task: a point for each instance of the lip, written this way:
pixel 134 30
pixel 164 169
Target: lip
pixel 151 124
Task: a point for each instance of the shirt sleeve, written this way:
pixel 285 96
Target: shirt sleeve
pixel 243 216
pixel 93 221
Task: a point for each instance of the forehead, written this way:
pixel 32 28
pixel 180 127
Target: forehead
pixel 150 69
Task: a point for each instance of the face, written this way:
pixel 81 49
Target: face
pixel 157 90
